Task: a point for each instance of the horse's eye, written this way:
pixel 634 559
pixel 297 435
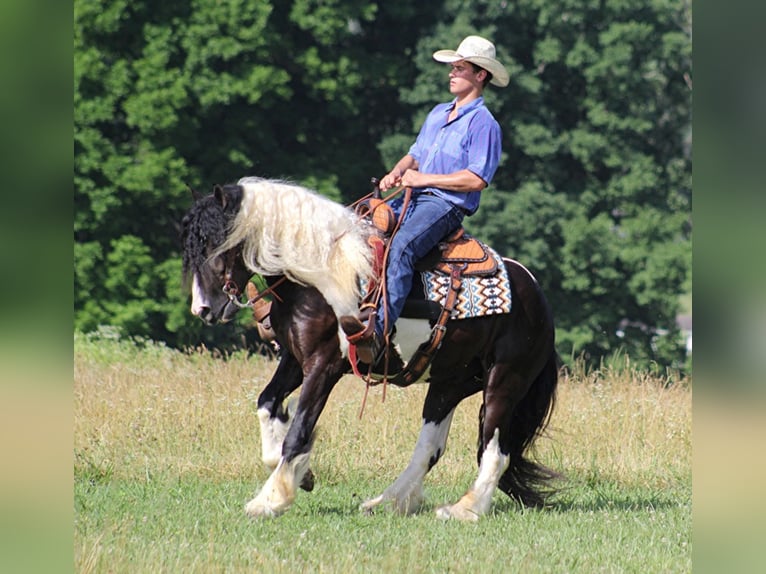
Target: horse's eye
pixel 217 264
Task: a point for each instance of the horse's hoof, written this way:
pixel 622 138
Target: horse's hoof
pixel 403 507
pixel 368 506
pixel 254 509
pixel 456 512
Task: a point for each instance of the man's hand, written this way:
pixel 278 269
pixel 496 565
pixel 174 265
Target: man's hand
pixel 413 178
pixel 391 179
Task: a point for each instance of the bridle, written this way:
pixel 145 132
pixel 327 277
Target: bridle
pixel 232 290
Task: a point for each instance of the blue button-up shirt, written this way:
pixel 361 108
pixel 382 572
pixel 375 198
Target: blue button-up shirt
pixel 471 141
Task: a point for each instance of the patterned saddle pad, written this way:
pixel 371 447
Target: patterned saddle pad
pixel 479 295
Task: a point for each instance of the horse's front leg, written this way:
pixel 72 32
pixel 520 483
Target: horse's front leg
pixel 274 416
pixel 405 495
pixel 292 470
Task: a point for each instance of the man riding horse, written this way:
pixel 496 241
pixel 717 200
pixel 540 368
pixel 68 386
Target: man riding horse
pixel 452 160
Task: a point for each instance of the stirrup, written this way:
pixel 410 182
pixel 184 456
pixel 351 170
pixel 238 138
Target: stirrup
pixel 356 331
pixel 362 338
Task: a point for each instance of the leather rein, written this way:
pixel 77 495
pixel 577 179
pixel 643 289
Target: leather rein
pixel 232 290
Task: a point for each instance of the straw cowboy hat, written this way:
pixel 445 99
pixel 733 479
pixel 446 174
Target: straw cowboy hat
pixel 479 51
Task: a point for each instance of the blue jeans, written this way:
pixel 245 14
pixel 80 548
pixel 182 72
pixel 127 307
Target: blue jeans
pixel 428 220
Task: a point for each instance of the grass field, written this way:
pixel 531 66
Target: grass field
pixel 167 452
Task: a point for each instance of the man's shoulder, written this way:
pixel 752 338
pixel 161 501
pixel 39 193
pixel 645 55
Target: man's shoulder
pixel 484 115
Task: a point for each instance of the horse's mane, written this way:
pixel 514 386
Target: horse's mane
pixel 287 229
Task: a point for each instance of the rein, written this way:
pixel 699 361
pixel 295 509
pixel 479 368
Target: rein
pixel 372 301
pixel 377 195
pixel 233 291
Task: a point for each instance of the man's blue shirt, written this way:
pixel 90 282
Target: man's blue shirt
pixel 472 141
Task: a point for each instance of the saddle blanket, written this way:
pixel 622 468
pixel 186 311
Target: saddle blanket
pixel 479 296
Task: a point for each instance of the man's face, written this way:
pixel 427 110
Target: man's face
pixel 463 78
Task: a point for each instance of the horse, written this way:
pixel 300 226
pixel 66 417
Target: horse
pixel 314 255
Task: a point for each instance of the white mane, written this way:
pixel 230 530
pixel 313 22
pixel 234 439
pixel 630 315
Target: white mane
pixel 287 229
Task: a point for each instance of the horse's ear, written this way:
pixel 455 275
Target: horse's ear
pixel 220 195
pixel 196 195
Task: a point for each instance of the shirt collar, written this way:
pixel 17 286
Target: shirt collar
pixel 466 108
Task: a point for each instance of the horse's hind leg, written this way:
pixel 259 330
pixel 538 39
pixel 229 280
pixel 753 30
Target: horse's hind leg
pixel 405 495
pixel 477 500
pixel 500 397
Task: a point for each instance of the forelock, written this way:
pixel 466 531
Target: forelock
pixel 203 228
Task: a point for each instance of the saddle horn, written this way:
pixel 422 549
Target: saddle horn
pixel 375 187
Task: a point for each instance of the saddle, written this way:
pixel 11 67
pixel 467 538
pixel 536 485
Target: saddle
pixel 459 248
pixel 456 256
pixel 462 250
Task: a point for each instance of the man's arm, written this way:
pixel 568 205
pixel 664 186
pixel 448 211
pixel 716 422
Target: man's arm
pixel 463 181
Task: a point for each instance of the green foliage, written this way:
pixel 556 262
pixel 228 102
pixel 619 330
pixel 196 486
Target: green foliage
pixel 593 193
pixel 594 190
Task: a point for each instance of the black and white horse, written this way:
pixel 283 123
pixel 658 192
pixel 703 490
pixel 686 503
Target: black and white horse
pixel 277 230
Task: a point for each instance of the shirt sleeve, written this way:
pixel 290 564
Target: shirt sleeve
pixel 485 149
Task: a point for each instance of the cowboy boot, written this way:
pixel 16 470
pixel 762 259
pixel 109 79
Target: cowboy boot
pixel 364 337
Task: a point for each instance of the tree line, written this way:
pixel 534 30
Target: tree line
pixel 593 193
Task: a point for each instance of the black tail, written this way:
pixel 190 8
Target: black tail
pixel 525 480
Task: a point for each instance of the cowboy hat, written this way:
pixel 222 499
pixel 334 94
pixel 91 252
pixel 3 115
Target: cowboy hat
pixel 479 51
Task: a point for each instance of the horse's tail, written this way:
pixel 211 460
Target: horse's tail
pixel 525 480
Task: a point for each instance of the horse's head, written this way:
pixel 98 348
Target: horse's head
pixel 217 277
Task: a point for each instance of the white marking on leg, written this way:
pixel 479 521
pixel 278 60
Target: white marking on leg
pixel 273 432
pixel 478 499
pixel 198 297
pixel 278 493
pixel 405 495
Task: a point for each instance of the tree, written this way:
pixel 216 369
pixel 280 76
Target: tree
pixel 594 190
pixel 206 93
pixel 593 193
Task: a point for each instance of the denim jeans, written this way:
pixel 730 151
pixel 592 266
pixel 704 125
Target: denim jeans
pixel 428 220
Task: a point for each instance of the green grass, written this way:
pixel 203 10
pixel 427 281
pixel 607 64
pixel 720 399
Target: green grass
pixel 193 525
pixel 166 455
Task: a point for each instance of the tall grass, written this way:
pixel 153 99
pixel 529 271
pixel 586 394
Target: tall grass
pixel 167 452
